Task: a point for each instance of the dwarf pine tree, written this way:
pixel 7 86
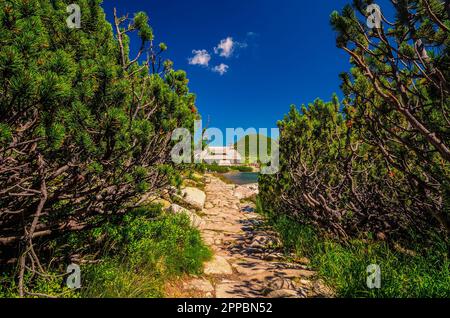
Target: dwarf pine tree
pixel 84 127
pixel 398 96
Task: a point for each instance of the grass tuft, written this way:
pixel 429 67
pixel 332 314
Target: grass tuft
pixel 150 252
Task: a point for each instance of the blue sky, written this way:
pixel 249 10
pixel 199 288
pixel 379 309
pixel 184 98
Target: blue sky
pixel 283 53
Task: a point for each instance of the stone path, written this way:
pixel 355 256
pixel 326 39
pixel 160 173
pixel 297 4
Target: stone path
pixel 247 261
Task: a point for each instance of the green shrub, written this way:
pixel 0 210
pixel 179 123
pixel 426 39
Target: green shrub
pixel 138 254
pixel 142 254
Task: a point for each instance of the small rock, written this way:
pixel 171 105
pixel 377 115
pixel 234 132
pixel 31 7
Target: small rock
pixel 252 251
pixel 381 236
pixel 305 282
pixel 172 190
pixel 265 241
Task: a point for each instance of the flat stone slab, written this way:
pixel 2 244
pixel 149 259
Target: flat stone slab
pixel 200 284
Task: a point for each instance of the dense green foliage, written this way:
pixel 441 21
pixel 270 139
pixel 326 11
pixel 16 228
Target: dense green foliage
pixel 224 169
pixel 374 173
pixel 398 100
pixel 84 128
pixel 378 164
pixel 343 265
pixel 138 255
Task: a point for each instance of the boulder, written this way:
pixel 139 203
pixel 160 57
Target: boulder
pixel 193 197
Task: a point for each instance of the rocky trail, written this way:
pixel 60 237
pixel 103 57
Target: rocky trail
pixel 247 261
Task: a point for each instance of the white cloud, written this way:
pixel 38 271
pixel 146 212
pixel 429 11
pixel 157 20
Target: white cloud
pixel 201 57
pixel 221 69
pixel 225 47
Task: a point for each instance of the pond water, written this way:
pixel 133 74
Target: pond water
pixel 242 177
